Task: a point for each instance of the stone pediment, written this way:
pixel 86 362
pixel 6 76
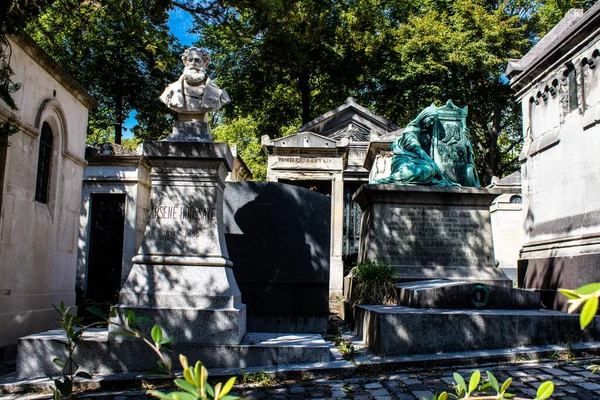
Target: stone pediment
pixel 350 121
pixel 304 140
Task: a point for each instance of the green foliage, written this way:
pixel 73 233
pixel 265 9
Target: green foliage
pixel 243 132
pixel 585 297
pixel 195 383
pixel 479 388
pixel 334 333
pixel 374 283
pixel 69 369
pixel 259 378
pixel 122 52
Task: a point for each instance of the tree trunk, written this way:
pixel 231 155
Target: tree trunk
pixel 305 92
pixel 119 119
pixel 491 155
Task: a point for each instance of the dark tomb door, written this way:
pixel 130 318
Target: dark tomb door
pixel 106 249
pixel 352 221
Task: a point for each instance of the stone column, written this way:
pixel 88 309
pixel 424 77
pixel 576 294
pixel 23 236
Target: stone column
pixel 337 236
pixel 182 277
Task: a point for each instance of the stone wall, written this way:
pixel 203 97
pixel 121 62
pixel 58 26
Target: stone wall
pixel 38 241
pixel 558 83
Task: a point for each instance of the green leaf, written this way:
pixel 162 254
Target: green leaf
pixel 158 394
pixel 460 381
pixel 228 386
pixel 143 320
pixel 589 310
pixel 229 397
pixel 570 294
pixel 493 381
pixel 156 334
pixel 443 396
pixel 589 288
pixel 505 385
pixel 130 316
pixel 97 312
pixel 474 381
pixel 209 390
pixel 166 340
pixel 59 362
pixel 84 375
pixel 545 390
pixel 183 396
pixel 508 396
pixel 112 313
pixel 187 387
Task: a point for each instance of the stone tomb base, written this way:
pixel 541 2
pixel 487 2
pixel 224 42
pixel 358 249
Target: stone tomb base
pixel 397 330
pixel 103 356
pixel 430 232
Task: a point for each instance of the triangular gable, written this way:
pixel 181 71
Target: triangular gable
pixel 351 121
pixel 304 140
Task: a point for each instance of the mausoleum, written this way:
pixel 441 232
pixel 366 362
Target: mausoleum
pixel 558 84
pixel 40 186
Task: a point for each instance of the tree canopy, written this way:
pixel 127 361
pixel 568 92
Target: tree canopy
pixel 121 51
pixel 284 62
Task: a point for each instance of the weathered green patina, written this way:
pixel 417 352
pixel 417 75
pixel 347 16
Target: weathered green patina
pixel 434 149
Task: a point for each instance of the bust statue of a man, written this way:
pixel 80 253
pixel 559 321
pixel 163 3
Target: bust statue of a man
pixel 194 94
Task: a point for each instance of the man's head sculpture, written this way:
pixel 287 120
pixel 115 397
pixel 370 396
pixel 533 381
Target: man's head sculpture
pixel 195 63
pixel 194 94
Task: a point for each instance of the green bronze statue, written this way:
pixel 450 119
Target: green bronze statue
pixel 434 149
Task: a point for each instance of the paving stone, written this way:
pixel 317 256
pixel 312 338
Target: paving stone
pixel 390 384
pixel 555 371
pixel 570 389
pixel 378 393
pixel 572 378
pixel 528 379
pixel 396 377
pixel 411 381
pixel 558 382
pixel 529 392
pixel 362 397
pixel 297 389
pixel 405 396
pixel 374 385
pixel 589 385
pixel 419 394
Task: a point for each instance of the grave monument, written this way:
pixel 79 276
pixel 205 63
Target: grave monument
pixel 429 218
pixel 182 276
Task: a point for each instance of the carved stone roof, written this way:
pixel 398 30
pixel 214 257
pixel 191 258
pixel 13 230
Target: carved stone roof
pixel 301 140
pixel 351 121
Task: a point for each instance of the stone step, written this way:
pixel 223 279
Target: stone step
pixel 398 330
pixel 444 293
pixel 102 357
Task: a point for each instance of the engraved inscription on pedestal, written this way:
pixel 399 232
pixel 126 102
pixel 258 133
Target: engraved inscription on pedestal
pixel 446 236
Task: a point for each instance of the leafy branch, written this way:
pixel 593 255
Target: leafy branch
pixel 585 297
pixel 479 388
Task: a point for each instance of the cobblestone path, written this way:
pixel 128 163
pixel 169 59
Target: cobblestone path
pixel 572 381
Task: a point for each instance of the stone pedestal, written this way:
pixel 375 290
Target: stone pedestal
pixel 182 277
pixel 426 232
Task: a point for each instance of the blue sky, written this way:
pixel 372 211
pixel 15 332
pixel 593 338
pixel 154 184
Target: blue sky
pixel 180 22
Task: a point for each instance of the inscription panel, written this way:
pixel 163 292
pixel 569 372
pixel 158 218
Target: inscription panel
pixel 300 162
pixel 180 227
pixel 434 236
